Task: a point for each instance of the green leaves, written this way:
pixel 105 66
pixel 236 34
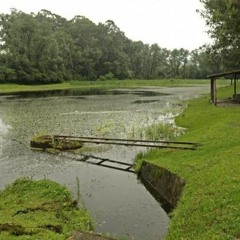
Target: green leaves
pixel 47 48
pixel 222 17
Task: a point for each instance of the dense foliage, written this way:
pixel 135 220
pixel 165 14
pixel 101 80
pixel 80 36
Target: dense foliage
pixel 47 48
pixel 222 17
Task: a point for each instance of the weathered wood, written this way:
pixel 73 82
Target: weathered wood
pixel 235 85
pixel 213 86
pixel 214 92
pixel 212 89
pixel 49 142
pixel 133 142
pixel 223 74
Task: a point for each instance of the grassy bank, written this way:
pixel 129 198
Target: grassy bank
pixel 210 204
pixel 39 210
pixel 8 88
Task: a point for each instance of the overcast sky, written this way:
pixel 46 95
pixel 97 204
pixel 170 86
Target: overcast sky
pixel 169 23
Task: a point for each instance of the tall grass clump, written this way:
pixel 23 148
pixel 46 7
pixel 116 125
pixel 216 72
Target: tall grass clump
pixel 157 131
pixel 164 131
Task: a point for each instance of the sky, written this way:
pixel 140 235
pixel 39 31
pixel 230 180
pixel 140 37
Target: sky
pixel 169 23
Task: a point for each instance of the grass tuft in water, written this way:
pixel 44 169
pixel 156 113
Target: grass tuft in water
pixel 157 131
pixel 164 131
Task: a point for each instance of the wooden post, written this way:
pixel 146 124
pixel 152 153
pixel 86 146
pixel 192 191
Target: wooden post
pixel 235 86
pixel 213 91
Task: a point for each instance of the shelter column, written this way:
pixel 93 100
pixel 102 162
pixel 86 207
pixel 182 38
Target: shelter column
pixel 235 86
pixel 213 91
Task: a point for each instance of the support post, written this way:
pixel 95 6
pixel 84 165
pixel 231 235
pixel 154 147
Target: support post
pixel 235 86
pixel 213 91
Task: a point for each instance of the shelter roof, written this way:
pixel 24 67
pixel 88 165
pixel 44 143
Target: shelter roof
pixel 235 72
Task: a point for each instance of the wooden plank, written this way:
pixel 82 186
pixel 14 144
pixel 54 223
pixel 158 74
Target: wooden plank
pixel 127 140
pixel 218 75
pixel 137 144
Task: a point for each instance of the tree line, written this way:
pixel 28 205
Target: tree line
pixel 44 47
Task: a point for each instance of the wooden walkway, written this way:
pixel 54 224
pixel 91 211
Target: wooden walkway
pixel 130 142
pixel 118 165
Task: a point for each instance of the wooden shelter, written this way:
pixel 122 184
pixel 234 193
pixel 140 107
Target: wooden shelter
pixel 213 83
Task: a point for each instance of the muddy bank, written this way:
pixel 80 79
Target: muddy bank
pixel 164 185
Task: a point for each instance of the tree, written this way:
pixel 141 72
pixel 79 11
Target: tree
pixel 47 48
pixel 203 62
pixel 113 45
pixel 222 17
pixel 178 59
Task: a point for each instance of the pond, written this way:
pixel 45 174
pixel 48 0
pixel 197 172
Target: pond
pixel 117 201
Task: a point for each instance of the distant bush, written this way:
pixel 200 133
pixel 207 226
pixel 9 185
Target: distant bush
pixel 108 76
pixel 7 74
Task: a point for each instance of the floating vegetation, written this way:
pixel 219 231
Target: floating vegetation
pixel 44 142
pixel 105 127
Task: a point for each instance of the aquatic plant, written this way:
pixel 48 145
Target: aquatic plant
pixel 160 131
pixel 157 131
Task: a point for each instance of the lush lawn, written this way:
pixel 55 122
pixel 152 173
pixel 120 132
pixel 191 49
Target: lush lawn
pixel 210 204
pixel 6 88
pixel 39 210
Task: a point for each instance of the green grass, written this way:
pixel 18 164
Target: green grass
pixel 39 210
pixel 210 204
pixel 10 88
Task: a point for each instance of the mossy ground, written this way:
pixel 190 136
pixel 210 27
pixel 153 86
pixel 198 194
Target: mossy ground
pixel 210 204
pixel 39 210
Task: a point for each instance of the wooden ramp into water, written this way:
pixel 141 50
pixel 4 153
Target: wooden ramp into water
pixel 118 165
pixel 130 142
pixel 104 162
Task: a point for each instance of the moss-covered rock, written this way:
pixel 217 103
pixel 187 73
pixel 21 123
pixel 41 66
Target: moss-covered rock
pixel 44 142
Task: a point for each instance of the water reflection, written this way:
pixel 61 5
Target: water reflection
pixel 80 93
